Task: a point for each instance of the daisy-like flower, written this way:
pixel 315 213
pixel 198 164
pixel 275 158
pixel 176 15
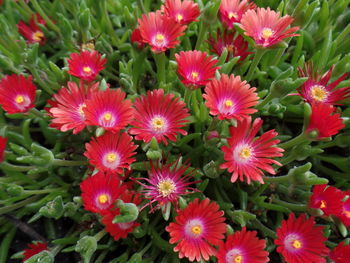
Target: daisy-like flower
pixel 17 93
pixel 344 216
pixel 243 247
pixel 109 110
pixel 33 249
pixel 316 88
pixel 247 156
pixel 340 254
pixel 86 65
pixel 121 230
pixel 236 46
pixel 267 27
pixel 195 68
pixel 196 229
pixel 230 97
pixel 100 191
pixel 166 183
pixel 328 199
pixel 231 11
pixel 159 31
pixel 159 116
pixel 111 152
pixel 67 107
pixel 184 12
pixel 137 38
pixel 300 240
pixel 323 121
pixel 32 32
pixel 3 141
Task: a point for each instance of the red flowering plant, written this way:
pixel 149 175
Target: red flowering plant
pixel 174 131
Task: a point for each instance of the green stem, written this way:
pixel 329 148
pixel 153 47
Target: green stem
pixel 141 6
pixel 26 8
pixel 160 62
pixel 5 244
pixel 258 55
pixel 58 162
pixel 267 231
pixel 295 141
pixel 100 235
pixel 266 100
pixel 43 191
pixel 17 205
pixel 201 35
pixel 293 207
pixel 18 168
pixel 37 113
pixel 278 179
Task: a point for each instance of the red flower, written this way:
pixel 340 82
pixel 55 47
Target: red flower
pixel 267 27
pixel 109 110
pixel 248 155
pixel 323 122
pixel 137 38
pixel 198 228
pixel 231 11
pixel 195 68
pixel 33 249
pixel 236 46
pixel 17 93
pixel 111 152
pixel 121 230
pixel 159 116
pixel 243 246
pixel 182 12
pixel 67 107
pixel 3 141
pixel 327 198
pixel 345 213
pixel 317 89
pixel 230 98
pixel 32 32
pixel 100 191
pixel 166 183
pixel 340 254
pixel 86 65
pixel 160 31
pixel 300 240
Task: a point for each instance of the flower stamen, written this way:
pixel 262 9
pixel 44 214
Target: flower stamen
pixel 38 36
pixel 102 199
pixel 166 187
pixel 319 93
pixel 19 99
pixel 266 33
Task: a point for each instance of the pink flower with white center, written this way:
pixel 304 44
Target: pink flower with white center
pixel 231 11
pixel 183 12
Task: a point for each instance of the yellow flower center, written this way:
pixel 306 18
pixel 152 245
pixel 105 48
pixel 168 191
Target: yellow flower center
pixel 194 75
pixel 232 15
pixel 111 157
pixel 158 123
pixel 102 199
pixel 238 259
pixel 228 103
pixel 166 187
pixel 37 36
pixel 107 116
pixel 267 33
pixel 19 99
pixel 318 93
pixel 160 38
pixel 179 17
pixel 323 204
pixel 87 70
pixel 296 244
pixel 230 48
pixel 196 230
pixel 245 152
pixel 347 214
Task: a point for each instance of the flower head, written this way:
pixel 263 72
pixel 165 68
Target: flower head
pixel 345 212
pixel 340 254
pixel 33 249
pixel 231 11
pixel 243 247
pixel 67 107
pixel 86 65
pixel 159 116
pixel 160 31
pixel 230 97
pixel 137 38
pixel 183 12
pixel 196 229
pixel 166 183
pixel 121 230
pixel 111 152
pixel 267 27
pixel 195 68
pixel 323 122
pixel 109 110
pixel 17 93
pixel 100 191
pixel 300 240
pixel 247 156
pixel 3 141
pixel 327 198
pixel 316 89
pixel 32 32
pixel 235 45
